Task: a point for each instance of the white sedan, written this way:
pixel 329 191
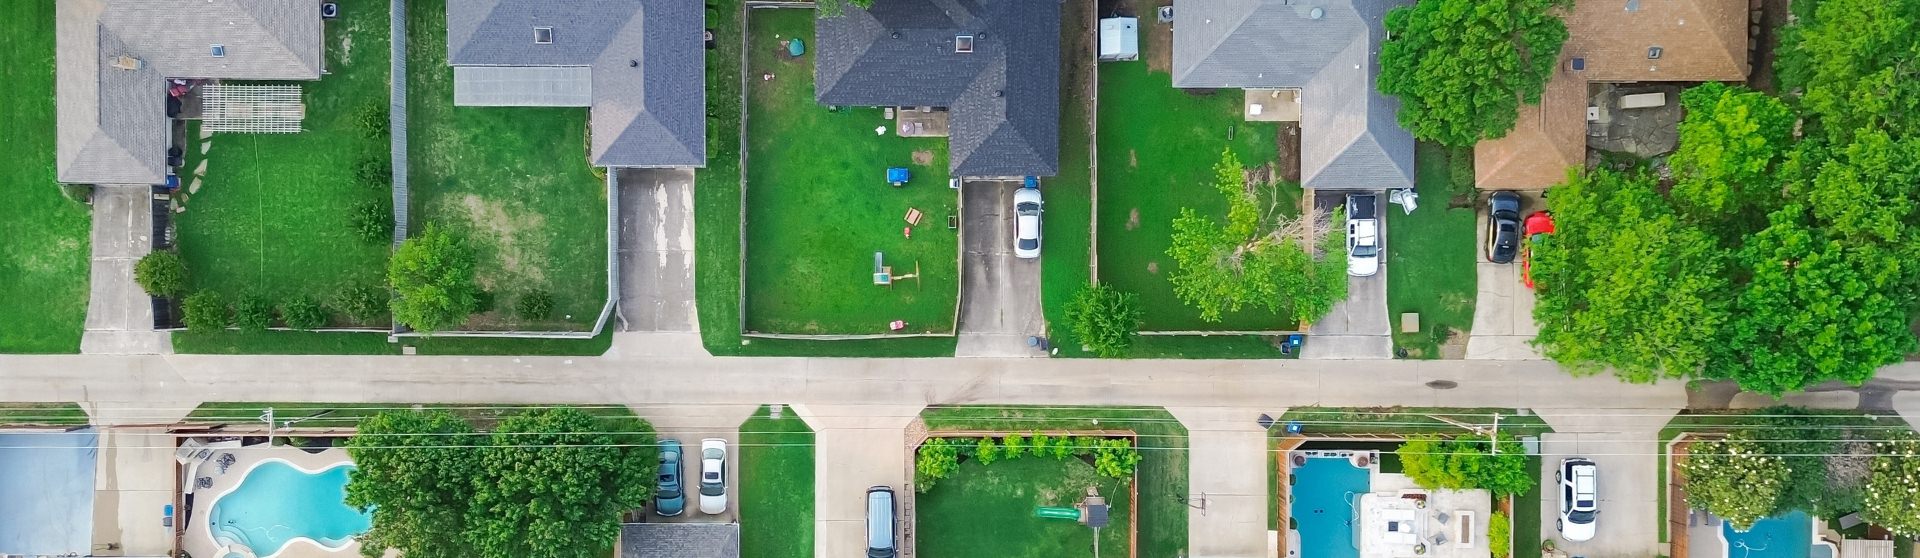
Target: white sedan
pixel 1026 223
pixel 713 476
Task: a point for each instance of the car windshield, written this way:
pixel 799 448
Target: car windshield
pixel 1029 243
pixel 669 493
pixel 713 490
pixel 1365 251
pixel 1580 517
pixel 1026 207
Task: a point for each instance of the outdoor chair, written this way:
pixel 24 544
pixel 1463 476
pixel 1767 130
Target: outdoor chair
pixel 1439 539
pixel 1442 517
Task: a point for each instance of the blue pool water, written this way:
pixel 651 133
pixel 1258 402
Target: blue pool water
pixel 278 503
pixel 1325 491
pixel 1783 536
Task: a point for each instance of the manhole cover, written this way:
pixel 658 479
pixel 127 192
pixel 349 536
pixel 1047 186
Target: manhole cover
pixel 1443 384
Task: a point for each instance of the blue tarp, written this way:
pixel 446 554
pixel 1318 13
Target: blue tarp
pixel 46 485
pixel 897 175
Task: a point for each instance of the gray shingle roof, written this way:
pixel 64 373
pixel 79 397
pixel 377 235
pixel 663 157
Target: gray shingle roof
pixel 1350 132
pixel 679 540
pixel 646 59
pixel 1003 98
pixel 113 124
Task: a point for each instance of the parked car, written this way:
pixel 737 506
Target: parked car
pixel 1538 225
pixel 1363 235
pixel 880 523
pixel 669 496
pixel 1026 223
pixel 1503 226
pixel 1579 480
pixel 713 476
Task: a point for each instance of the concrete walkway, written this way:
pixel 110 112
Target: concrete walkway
pixel 1227 472
pixel 119 312
pixel 856 447
pixel 1625 445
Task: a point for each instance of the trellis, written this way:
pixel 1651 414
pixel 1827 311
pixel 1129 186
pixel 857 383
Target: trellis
pixel 251 109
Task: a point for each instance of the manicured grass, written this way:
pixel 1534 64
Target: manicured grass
pixel 327 343
pixel 1068 226
pixel 1340 421
pixel 1162 472
pixel 43 259
pixel 1211 346
pixel 1430 261
pixel 1158 146
pixel 776 487
pixel 819 207
pixel 514 181
pixel 1526 515
pixel 34 414
pixel 988 510
pixel 273 214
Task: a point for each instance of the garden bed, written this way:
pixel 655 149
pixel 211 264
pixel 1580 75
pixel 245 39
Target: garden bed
pixel 43 261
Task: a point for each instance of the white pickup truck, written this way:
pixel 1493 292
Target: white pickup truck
pixel 1363 234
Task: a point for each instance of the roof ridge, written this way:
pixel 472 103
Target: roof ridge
pixel 278 40
pixel 1719 43
pixel 1221 38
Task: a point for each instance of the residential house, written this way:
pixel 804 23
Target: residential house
pixel 114 58
pixel 993 65
pixel 639 65
pixel 1612 41
pixel 1327 51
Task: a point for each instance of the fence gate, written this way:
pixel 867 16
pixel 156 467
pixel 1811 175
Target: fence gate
pixel 251 109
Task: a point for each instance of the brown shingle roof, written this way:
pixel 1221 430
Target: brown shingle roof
pixel 1546 139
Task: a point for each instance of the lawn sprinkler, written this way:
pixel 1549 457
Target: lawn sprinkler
pixel 1091 512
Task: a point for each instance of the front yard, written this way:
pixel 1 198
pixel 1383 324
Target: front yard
pixel 818 205
pixel 514 181
pixel 43 259
pixel 1430 258
pixel 988 510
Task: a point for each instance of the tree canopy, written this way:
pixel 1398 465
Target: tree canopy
pixel 1105 319
pixel 1729 143
pixel 433 281
pixel 1461 68
pixel 1734 478
pixel 1466 463
pixel 1258 256
pixel 1893 487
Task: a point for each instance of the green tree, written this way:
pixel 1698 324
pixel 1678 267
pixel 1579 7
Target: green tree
pixel 1734 478
pixel 1256 257
pixel 1624 283
pixel 161 273
pixel 1461 68
pixel 1852 62
pixel 986 451
pixel 937 458
pixel 1105 319
pixel 414 475
pixel 1893 488
pixel 1115 458
pixel 1466 463
pixel 1730 141
pixel 554 482
pixel 433 280
pixel 303 313
pixel 1014 445
pixel 204 312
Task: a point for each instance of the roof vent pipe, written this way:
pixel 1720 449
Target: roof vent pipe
pixel 1316 13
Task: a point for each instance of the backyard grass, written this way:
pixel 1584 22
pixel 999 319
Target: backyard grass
pixel 1162 472
pixel 332 343
pixel 43 259
pixel 514 181
pixel 776 487
pixel 1068 226
pixel 38 414
pixel 1431 257
pixel 1158 146
pixel 988 510
pixel 819 207
pixel 273 214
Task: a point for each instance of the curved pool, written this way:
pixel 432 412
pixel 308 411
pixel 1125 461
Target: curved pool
pixel 278 503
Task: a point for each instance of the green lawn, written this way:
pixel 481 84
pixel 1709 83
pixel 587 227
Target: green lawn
pixel 818 206
pixel 776 487
pixel 329 343
pixel 1430 257
pixel 988 510
pixel 21 414
pixel 1068 226
pixel 43 261
pixel 1341 421
pixel 514 180
pixel 1526 516
pixel 1158 146
pixel 1210 346
pixel 273 213
pixel 1162 473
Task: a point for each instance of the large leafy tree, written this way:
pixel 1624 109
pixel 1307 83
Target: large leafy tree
pixel 554 482
pixel 1461 68
pixel 1852 61
pixel 1256 257
pixel 1624 283
pixel 433 281
pixel 1734 478
pixel 1730 141
pixel 1466 463
pixel 415 472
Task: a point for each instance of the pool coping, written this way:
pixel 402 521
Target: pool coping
pixel 244 475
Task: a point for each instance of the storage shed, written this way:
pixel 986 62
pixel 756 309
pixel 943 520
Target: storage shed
pixel 1120 38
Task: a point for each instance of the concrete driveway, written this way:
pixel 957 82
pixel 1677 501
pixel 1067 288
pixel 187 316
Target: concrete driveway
pixel 1227 472
pixel 690 424
pixel 1356 328
pixel 1000 301
pixel 1503 308
pixel 119 312
pixel 1624 444
pixel 656 250
pixel 857 447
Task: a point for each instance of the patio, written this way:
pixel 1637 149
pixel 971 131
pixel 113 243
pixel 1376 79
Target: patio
pixel 1411 522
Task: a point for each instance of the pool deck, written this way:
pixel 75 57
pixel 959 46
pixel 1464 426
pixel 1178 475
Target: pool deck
pixel 198 540
pixel 1395 498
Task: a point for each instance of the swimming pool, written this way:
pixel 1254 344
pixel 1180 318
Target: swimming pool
pixel 278 503
pixel 1325 491
pixel 1788 535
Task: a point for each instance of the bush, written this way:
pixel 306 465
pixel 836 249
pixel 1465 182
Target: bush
pixel 362 304
pixel 372 120
pixel 374 170
pixel 986 451
pixel 204 312
pixel 536 305
pixel 1016 445
pixel 373 220
pixel 1499 534
pixel 1040 445
pixel 1460 170
pixel 937 459
pixel 253 313
pixel 1062 447
pixel 1734 478
pixel 1466 463
pixel 1115 458
pixel 433 281
pixel 1105 319
pixel 82 193
pixel 303 313
pixel 162 274
pixel 1892 484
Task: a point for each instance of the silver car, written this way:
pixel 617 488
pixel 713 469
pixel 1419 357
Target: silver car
pixel 713 476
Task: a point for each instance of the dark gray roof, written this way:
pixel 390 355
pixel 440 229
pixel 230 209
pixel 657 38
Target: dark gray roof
pixel 647 60
pixel 113 123
pixel 1350 132
pixel 679 540
pixel 1003 98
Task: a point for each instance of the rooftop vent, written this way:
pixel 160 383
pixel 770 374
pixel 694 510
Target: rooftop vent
pixel 1316 13
pixel 1579 64
pixel 219 50
pixel 1653 52
pixel 543 35
pixel 963 43
pixel 1633 5
pixel 125 62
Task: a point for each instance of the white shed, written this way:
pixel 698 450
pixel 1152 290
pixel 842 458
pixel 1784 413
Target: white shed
pixel 1120 38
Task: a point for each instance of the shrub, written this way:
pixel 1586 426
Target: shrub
pixel 432 278
pixel 937 459
pixel 162 274
pixel 1499 534
pixel 303 313
pixel 1115 458
pixel 535 305
pixel 986 451
pixel 253 313
pixel 204 311
pixel 1105 319
pixel 1466 463
pixel 1734 478
pixel 1892 486
pixel 1062 447
pixel 374 170
pixel 1041 445
pixel 1016 445
pixel 362 304
pixel 373 220
pixel 1460 170
pixel 372 120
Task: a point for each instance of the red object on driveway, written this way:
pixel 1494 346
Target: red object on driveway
pixel 1539 223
